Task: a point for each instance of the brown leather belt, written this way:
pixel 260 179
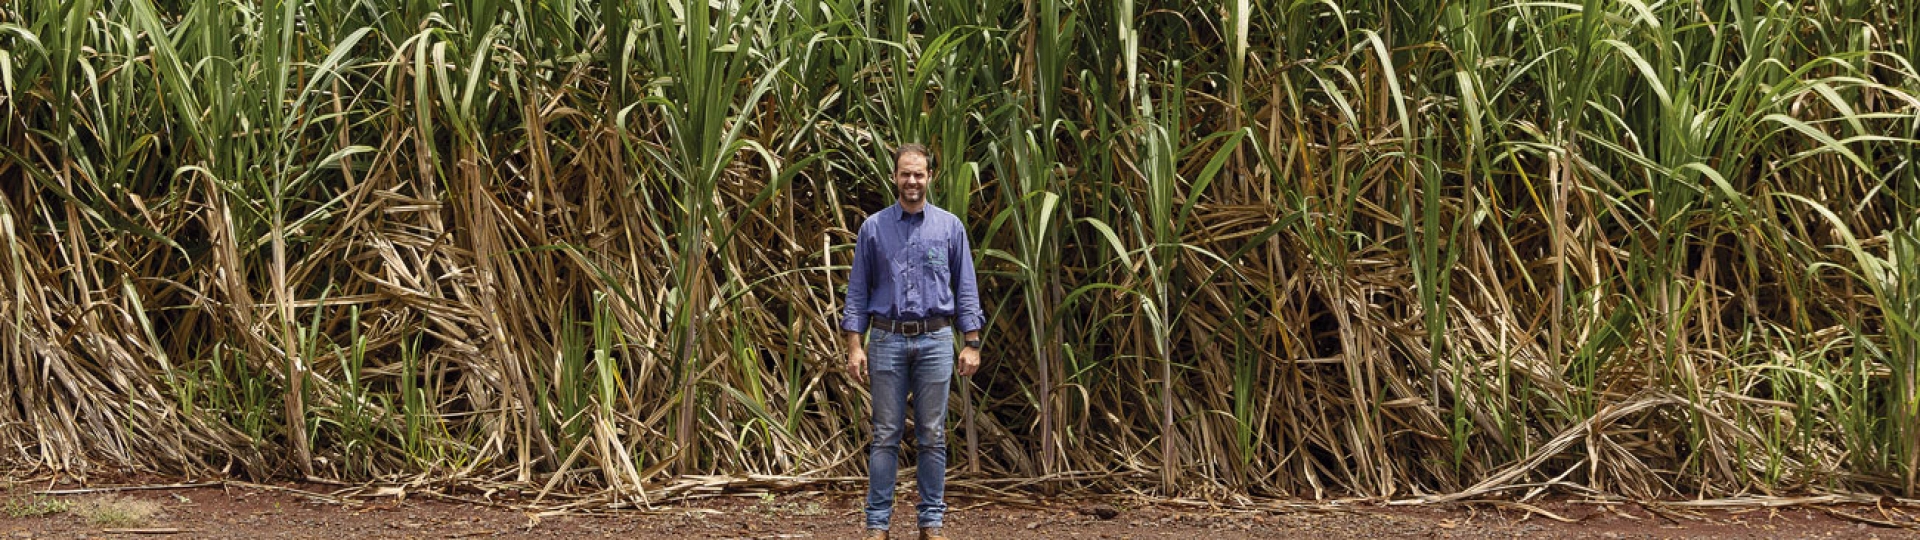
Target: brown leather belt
pixel 910 328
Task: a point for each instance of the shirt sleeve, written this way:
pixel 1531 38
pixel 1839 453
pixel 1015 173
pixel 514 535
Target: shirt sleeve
pixel 854 317
pixel 966 287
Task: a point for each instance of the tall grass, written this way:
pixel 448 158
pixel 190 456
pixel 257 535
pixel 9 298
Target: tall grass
pixel 1403 250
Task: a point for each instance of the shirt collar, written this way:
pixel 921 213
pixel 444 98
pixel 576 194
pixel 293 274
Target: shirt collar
pixel 905 215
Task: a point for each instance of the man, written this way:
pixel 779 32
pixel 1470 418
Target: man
pixel 912 284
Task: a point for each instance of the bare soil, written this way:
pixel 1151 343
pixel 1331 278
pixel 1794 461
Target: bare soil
pixel 284 511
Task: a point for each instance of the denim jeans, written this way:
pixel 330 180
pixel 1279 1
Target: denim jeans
pixel 908 371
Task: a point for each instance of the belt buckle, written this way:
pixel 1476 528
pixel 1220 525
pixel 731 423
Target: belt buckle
pixel 913 328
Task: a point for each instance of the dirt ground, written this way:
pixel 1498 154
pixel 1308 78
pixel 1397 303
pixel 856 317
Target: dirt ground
pixel 236 511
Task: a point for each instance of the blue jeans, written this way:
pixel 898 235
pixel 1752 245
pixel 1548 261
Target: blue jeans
pixel 908 370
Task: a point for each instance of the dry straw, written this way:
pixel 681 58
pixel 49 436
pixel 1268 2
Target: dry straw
pixel 1230 250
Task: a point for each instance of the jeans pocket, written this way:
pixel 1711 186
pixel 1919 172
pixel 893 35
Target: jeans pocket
pixel 882 349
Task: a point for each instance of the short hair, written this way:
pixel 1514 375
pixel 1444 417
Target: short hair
pixel 912 148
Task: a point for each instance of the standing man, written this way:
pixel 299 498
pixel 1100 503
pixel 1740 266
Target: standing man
pixel 912 285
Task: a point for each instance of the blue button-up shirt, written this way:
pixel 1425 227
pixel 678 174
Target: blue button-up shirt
pixel 911 266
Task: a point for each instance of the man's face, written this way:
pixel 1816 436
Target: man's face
pixel 910 178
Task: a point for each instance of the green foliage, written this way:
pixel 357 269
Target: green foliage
pixel 1312 249
pixel 35 506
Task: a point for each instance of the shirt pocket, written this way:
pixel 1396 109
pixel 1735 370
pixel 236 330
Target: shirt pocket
pixel 934 274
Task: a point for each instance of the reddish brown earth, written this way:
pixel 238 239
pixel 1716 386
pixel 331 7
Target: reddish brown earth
pixel 233 511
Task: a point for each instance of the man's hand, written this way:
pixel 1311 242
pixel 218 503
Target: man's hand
pixel 857 356
pixel 857 364
pixel 969 361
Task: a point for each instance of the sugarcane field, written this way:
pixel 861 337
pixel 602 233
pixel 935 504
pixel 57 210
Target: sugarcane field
pixel 960 269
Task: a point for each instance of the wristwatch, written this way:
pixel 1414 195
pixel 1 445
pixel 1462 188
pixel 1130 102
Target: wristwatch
pixel 973 344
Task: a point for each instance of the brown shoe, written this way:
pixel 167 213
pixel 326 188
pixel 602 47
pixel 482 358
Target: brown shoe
pixel 932 534
pixel 876 534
